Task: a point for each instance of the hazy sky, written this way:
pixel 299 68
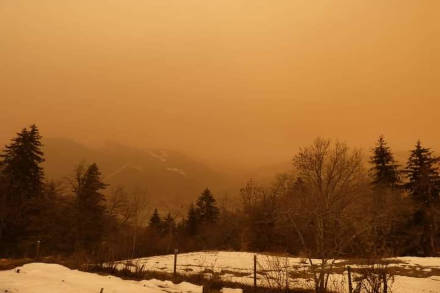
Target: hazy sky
pixel 232 80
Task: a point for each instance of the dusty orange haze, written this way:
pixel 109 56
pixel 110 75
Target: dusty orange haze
pixel 232 81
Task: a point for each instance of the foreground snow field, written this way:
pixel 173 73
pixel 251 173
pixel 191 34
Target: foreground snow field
pixel 238 267
pixel 52 278
pixel 416 275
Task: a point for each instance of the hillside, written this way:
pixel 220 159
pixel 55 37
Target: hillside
pixel 166 177
pixel 51 278
pixel 411 274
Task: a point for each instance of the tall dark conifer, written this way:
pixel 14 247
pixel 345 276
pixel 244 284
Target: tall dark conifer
pixel 385 197
pixel 423 175
pixel 169 224
pixel 90 209
pixel 4 209
pixel 22 187
pixel 155 221
pixel 385 169
pixel 21 162
pixel 424 187
pixel 192 221
pixel 207 208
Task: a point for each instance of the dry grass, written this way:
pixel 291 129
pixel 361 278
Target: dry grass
pixel 210 280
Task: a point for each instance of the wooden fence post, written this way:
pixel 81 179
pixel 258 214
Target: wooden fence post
pixel 176 251
pixel 350 285
pixel 255 272
pixel 287 275
pixel 37 250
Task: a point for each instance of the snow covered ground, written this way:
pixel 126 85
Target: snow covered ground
pixel 415 275
pixel 52 278
pixel 238 267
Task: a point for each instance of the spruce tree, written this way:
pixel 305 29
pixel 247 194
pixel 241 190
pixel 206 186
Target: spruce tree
pixel 90 209
pixel 169 224
pixel 21 165
pixel 206 207
pixel 155 221
pixel 424 187
pixel 385 170
pixel 385 196
pixel 192 221
pixel 22 187
pixel 423 175
pixel 4 212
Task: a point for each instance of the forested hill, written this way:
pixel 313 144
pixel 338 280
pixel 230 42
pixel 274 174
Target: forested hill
pixel 167 177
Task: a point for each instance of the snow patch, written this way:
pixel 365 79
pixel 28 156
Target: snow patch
pixel 229 290
pixel 238 267
pixel 432 262
pixel 160 155
pixel 53 278
pixel 177 170
pixel 122 169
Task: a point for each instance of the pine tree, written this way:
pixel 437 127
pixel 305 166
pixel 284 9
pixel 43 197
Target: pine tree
pixel 192 221
pixel 22 187
pixel 206 207
pixel 155 221
pixel 424 188
pixel 385 196
pixel 423 175
pixel 169 224
pixel 385 170
pixel 21 162
pixel 4 211
pixel 90 209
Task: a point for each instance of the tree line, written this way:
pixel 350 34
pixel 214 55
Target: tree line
pixel 331 205
pixel 82 216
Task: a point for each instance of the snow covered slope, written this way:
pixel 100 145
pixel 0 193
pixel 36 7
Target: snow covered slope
pixel 232 266
pixel 52 278
pixel 238 267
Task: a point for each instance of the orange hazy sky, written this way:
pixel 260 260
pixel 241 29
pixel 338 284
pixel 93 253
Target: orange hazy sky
pixel 227 80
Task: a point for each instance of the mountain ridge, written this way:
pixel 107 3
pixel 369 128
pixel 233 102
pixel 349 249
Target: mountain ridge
pixel 164 175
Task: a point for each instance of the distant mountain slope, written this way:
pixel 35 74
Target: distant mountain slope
pixel 169 177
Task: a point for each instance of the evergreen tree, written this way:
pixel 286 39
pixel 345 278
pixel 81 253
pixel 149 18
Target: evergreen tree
pixel 4 211
pixel 385 170
pixel 21 162
pixel 22 186
pixel 423 175
pixel 192 221
pixel 155 221
pixel 424 188
pixel 90 209
pixel 169 225
pixel 206 207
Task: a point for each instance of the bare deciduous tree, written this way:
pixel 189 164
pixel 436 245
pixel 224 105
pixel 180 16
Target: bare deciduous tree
pixel 138 206
pixel 275 271
pixel 320 209
pixel 118 205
